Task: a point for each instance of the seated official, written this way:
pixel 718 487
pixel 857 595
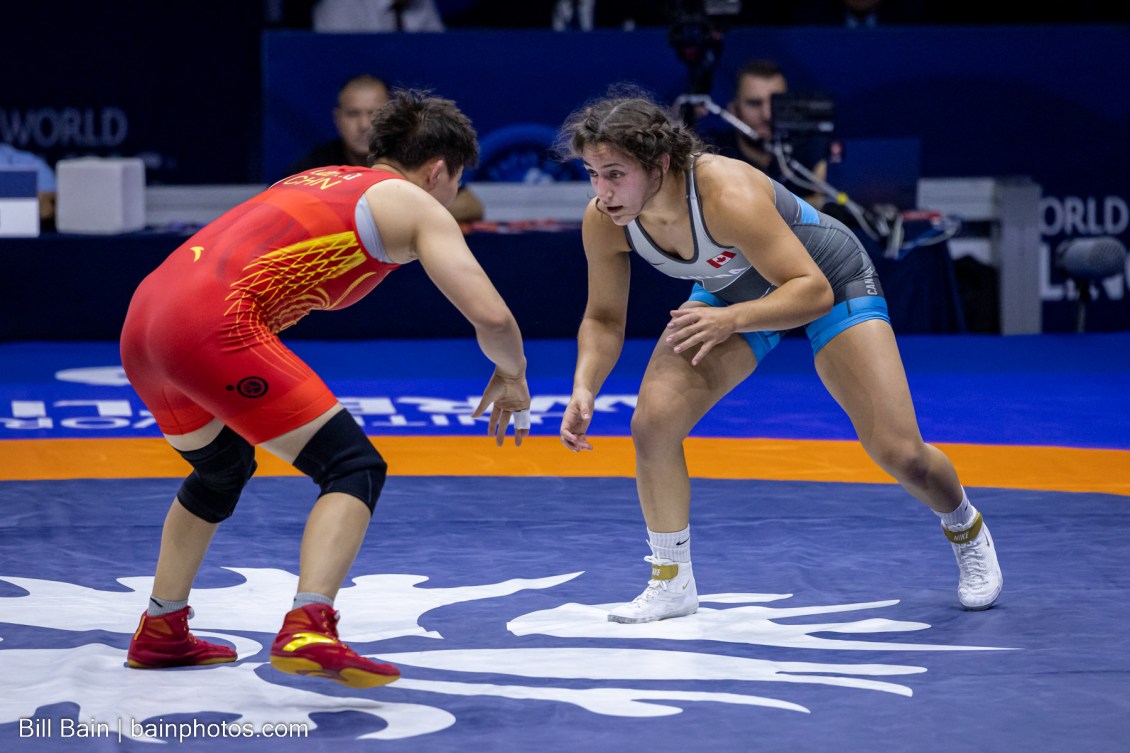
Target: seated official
pixel 357 102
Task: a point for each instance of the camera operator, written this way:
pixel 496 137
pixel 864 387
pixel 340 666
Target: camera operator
pixel 756 83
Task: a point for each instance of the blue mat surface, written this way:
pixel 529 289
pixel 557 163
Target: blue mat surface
pixel 1055 390
pixel 829 622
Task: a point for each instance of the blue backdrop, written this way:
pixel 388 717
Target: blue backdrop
pixel 205 96
pixel 1037 101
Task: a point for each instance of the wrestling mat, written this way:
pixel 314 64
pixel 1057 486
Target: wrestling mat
pixel 828 623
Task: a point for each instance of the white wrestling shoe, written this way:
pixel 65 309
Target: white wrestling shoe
pixel 981 580
pixel 671 592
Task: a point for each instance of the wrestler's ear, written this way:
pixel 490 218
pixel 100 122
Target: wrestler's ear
pixel 435 170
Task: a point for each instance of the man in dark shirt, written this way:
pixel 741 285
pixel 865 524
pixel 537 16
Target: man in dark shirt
pixel 757 82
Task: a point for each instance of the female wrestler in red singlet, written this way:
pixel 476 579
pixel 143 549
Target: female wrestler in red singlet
pixel 201 347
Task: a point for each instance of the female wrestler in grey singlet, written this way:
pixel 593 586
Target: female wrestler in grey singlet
pixel 761 262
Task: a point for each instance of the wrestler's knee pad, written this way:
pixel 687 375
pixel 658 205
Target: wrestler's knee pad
pixel 220 470
pixel 340 458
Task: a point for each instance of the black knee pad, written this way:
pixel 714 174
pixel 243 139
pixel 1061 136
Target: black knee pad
pixel 340 458
pixel 220 471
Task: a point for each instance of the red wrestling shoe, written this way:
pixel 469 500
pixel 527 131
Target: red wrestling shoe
pixel 165 642
pixel 308 645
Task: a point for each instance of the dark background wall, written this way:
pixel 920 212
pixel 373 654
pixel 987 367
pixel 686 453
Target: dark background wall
pixel 182 83
pixel 1042 100
pixel 175 82
pixel 213 91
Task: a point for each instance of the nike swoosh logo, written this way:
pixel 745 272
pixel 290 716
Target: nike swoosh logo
pixel 680 543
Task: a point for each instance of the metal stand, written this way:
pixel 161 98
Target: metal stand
pixel 884 227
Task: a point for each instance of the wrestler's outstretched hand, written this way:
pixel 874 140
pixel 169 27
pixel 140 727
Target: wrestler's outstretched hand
pixel 575 422
pixel 508 396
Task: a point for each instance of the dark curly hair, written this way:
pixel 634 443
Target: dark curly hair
pixel 414 127
pixel 630 121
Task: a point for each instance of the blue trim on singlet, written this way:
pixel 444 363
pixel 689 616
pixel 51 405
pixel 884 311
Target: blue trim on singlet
pixel 843 316
pixel 820 331
pixel 808 213
pixel 761 342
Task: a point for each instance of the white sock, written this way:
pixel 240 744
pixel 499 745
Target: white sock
pixel 961 517
pixel 675 546
pixel 301 599
pixel 158 607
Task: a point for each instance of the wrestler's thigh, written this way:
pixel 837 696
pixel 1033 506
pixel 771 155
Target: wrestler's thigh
pixel 680 392
pixel 261 389
pixel 288 446
pixel 862 369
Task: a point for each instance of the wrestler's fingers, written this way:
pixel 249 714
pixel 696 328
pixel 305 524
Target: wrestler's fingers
pixel 521 426
pixel 484 401
pixel 690 341
pixel 575 442
pixel 681 334
pixel 503 422
pixel 492 425
pixel 684 314
pixel 702 351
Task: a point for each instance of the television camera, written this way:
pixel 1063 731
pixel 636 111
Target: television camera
pixel 697 40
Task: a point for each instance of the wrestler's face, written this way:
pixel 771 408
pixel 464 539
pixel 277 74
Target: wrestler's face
pixel 623 186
